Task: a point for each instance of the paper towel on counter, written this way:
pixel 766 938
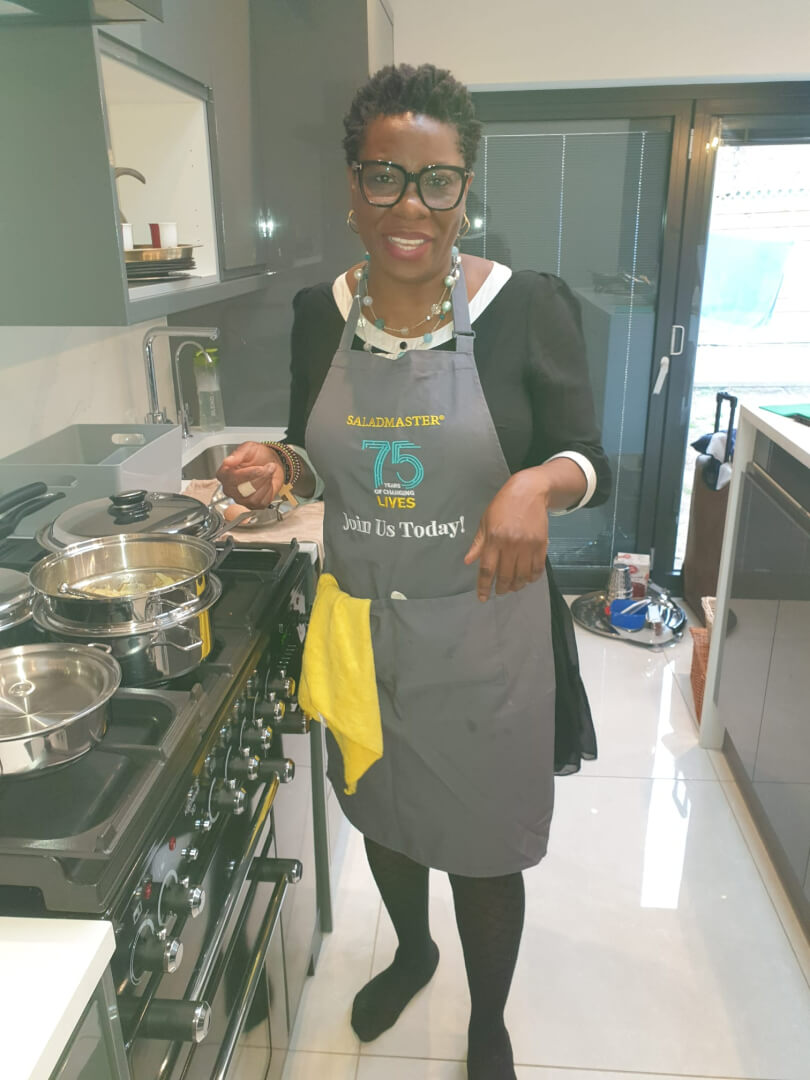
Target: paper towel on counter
pixel 305 522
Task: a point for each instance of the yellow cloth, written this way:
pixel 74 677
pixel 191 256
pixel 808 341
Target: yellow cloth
pixel 338 682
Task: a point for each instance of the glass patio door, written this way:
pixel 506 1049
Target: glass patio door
pixel 596 198
pixel 743 282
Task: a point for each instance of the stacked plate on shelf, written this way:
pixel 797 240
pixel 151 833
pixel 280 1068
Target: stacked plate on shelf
pixel 147 265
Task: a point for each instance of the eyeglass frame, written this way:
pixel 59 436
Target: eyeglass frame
pixel 465 174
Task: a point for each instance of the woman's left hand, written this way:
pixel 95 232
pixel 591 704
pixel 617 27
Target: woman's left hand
pixel 512 538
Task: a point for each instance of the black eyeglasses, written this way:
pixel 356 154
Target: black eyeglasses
pixel 383 183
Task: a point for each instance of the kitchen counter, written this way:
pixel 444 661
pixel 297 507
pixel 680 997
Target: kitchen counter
pixel 49 969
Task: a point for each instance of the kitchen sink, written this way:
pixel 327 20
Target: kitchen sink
pixel 204 466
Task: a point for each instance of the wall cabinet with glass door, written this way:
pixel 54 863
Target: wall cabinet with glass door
pixel 101 134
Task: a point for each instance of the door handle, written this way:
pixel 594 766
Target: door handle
pixel 661 378
pixel 679 332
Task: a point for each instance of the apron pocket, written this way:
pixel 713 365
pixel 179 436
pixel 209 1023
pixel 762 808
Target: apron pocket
pixel 438 654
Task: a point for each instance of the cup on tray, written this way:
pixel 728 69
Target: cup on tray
pixel 163 234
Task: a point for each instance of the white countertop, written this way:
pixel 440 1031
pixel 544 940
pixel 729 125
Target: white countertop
pixel 49 969
pixel 792 436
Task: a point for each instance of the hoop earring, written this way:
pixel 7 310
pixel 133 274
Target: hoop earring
pixel 351 222
pixel 465 227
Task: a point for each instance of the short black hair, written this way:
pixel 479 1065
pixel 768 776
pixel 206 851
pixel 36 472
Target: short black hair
pixel 425 90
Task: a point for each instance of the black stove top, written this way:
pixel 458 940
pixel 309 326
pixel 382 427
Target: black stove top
pixel 70 836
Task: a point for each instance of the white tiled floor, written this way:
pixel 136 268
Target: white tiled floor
pixel 658 942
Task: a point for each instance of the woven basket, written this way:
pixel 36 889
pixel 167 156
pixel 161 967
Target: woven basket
pixel 700 662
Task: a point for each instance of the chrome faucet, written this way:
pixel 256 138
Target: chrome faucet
pixel 156 414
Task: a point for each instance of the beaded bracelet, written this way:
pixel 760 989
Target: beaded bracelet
pixel 290 461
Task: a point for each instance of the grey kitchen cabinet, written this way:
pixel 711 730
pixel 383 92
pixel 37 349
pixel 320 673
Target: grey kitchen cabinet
pixel 96 1048
pixel 746 660
pixel 213 43
pixel 62 258
pixel 764 680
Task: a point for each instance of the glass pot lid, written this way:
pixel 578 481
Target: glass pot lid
pixel 132 512
pixel 16 595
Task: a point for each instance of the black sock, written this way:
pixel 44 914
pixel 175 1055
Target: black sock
pixel 489 913
pixel 403 885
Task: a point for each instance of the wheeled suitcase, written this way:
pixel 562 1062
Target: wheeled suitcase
pixel 707 518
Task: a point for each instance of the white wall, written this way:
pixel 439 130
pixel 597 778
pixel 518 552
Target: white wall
pixel 539 43
pixel 54 376
pixel 380 34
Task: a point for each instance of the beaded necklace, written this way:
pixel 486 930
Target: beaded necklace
pixel 437 311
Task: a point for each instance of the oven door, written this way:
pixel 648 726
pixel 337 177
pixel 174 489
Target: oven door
pixel 236 962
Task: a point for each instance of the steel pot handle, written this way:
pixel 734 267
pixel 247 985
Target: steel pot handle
pixel 223 552
pixel 194 641
pixel 162 605
pixel 226 526
pixel 100 645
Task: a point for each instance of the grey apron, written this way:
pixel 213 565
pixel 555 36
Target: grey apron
pixel 410 460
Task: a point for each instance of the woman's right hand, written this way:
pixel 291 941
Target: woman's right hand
pixel 252 465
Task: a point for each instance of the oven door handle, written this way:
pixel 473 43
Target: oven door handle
pixel 205 964
pixel 250 982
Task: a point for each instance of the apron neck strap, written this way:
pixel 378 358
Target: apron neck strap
pixel 464 334
pixel 351 324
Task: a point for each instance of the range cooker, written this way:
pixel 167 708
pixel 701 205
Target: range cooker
pixel 178 829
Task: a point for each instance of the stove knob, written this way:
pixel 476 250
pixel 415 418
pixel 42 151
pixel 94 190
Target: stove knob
pixel 203 825
pixel 271 709
pixel 157 952
pixel 230 798
pixel 257 738
pixel 252 685
pixel 190 854
pixel 224 735
pixel 283 768
pixel 183 898
pixel 244 767
pixel 283 684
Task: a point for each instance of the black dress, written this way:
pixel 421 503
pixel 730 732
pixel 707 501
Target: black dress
pixel 541 404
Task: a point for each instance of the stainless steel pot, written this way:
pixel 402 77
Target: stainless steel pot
pixel 154 652
pixel 54 704
pixel 162 577
pixel 134 512
pixel 16 597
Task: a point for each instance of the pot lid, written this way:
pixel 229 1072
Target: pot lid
pixel 47 686
pixel 16 595
pixel 130 512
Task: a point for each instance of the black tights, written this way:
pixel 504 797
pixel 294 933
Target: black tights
pixel 489 914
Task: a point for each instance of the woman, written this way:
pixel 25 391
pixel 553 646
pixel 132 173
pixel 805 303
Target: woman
pixel 444 405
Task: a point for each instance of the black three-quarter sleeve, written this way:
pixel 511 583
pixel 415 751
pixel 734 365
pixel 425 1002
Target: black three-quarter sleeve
pixel 559 383
pixel 317 326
